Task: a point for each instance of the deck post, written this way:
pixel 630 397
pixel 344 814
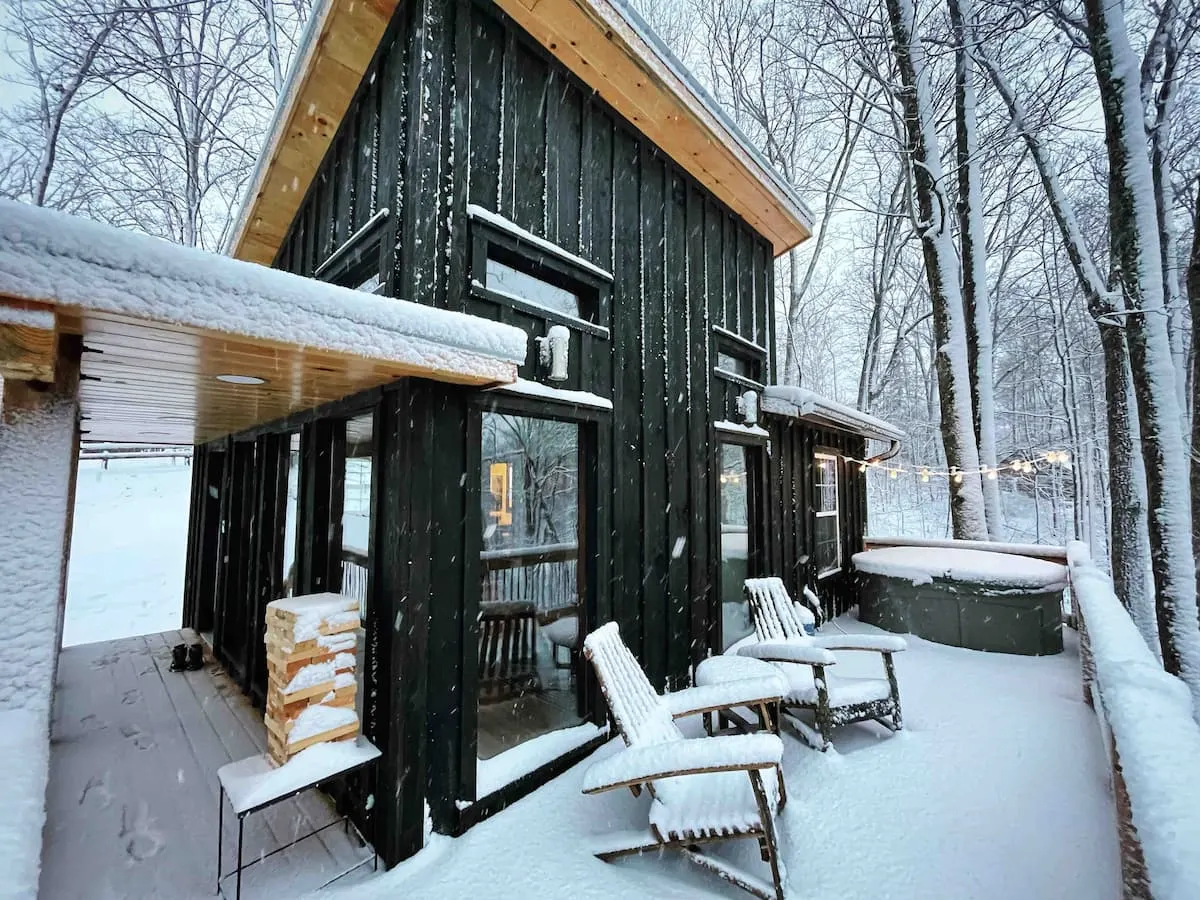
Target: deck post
pixel 31 412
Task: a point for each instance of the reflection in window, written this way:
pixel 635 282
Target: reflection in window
pixel 828 546
pixel 507 280
pixel 529 612
pixel 734 489
pixel 291 517
pixel 737 365
pixel 356 508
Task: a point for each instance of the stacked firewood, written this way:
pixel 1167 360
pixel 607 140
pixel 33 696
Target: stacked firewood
pixel 311 684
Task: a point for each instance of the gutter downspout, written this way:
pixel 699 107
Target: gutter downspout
pixel 886 454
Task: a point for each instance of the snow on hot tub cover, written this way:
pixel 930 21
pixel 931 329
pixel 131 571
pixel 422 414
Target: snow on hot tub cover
pixel 923 564
pixel 801 403
pixel 50 257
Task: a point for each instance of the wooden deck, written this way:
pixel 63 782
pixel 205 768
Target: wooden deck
pixel 132 802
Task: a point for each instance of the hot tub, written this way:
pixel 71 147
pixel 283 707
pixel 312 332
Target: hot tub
pixel 978 599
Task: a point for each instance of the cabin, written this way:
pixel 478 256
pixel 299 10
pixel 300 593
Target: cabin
pixel 502 174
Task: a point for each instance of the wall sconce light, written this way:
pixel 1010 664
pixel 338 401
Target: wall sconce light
pixel 552 351
pixel 747 407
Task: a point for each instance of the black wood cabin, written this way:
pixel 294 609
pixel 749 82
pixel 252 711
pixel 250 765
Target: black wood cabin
pixel 464 145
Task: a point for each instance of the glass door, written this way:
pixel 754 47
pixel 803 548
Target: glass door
pixel 737 503
pixel 531 609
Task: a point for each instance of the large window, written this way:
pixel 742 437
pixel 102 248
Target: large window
pixel 734 492
pixel 828 555
pixel 530 612
pixel 291 517
pixel 356 508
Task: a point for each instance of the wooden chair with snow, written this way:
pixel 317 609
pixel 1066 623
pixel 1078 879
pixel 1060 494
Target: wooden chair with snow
pixel 705 789
pixel 804 659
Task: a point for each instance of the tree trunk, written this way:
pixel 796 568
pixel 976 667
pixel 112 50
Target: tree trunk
pixel 1130 549
pixel 976 299
pixel 1193 297
pixel 942 273
pixel 1137 259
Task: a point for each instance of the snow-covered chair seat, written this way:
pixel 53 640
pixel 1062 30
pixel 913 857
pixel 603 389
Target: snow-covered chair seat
pixel 781 639
pixel 703 789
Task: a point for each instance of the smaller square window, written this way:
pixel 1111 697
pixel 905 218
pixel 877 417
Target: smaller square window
pixel 826 530
pixel 504 279
pixel 738 365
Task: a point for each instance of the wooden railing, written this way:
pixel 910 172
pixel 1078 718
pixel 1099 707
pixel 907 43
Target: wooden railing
pixel 1150 735
pixel 354 575
pixel 545 576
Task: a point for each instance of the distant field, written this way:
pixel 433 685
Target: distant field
pixel 127 550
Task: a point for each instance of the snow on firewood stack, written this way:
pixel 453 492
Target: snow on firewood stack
pixel 310 672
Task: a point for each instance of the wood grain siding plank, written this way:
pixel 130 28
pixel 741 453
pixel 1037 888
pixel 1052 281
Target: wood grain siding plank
pixel 653 415
pixel 678 450
pixel 699 453
pixel 484 101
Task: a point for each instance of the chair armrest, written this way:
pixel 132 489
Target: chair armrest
pixel 878 643
pixel 688 756
pixel 736 692
pixel 789 651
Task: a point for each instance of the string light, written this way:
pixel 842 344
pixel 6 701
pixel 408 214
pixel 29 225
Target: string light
pixel 1018 466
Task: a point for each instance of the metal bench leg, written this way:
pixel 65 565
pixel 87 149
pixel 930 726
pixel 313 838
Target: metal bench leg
pixel 220 834
pixel 241 824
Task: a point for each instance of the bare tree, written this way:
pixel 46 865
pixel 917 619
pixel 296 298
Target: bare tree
pixel 59 60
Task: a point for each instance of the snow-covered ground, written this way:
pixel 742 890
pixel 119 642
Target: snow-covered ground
pixel 127 549
pixel 996 789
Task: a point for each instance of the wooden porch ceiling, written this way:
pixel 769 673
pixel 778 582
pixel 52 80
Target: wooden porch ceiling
pixel 149 382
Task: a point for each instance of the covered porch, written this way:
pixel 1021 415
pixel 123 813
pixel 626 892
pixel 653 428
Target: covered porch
pixel 132 799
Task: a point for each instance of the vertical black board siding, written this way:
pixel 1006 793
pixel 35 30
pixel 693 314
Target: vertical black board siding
pixel 194 551
pixel 676 390
pixel 627 390
pixel 698 453
pixel 653 443
pixel 791 489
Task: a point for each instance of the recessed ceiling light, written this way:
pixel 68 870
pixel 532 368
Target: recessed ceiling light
pixel 241 379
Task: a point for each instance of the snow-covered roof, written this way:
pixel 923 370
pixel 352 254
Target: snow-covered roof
pixel 801 403
pixel 91 274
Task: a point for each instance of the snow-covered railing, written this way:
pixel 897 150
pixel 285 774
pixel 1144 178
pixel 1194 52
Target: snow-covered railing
pixel 1152 739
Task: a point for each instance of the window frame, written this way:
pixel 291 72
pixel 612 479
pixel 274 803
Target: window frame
pixel 836 513
pixel 727 343
pixel 358 258
pixel 593 291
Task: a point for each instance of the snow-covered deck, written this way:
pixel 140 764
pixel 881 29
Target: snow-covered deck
pixel 132 802
pixel 996 789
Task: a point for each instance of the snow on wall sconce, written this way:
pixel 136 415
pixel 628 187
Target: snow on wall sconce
pixel 552 351
pixel 747 407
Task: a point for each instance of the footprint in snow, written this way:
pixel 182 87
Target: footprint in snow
pixel 142 839
pixel 99 786
pixel 131 696
pixel 141 739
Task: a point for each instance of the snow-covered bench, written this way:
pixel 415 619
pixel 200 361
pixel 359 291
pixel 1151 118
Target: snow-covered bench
pixel 803 658
pixel 704 789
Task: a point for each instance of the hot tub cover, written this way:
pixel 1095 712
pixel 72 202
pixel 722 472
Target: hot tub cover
pixel 922 565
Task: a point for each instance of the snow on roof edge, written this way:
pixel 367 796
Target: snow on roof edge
pixel 801 403
pixel 50 257
pixel 783 188
pixel 291 86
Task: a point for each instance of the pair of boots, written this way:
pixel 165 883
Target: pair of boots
pixel 185 657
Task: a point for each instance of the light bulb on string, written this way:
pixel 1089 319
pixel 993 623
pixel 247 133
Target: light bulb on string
pixel 892 473
pixel 925 474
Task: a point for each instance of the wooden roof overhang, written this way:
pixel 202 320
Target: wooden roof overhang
pixel 603 42
pixel 161 322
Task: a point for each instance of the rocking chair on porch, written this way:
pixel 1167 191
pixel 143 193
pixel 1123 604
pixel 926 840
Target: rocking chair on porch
pixel 804 658
pixel 705 789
